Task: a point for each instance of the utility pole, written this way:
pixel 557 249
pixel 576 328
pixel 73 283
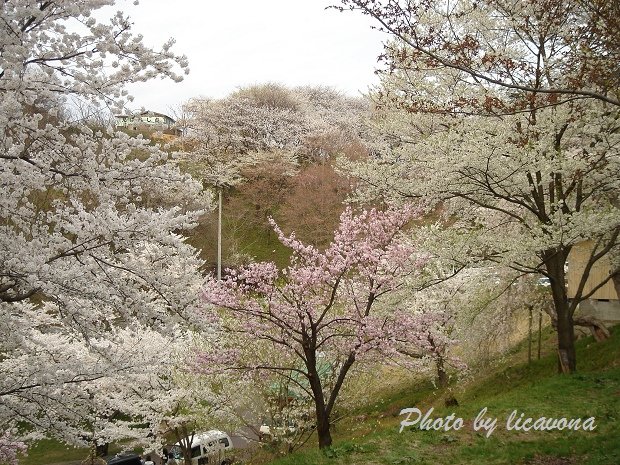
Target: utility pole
pixel 219 234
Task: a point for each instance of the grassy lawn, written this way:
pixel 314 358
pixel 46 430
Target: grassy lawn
pixel 534 390
pixel 48 452
pixel 246 239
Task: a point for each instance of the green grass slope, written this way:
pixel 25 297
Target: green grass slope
pixel 535 390
pixel 49 451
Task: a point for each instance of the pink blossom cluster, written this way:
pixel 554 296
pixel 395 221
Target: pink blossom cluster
pixel 326 299
pixel 212 362
pixel 10 449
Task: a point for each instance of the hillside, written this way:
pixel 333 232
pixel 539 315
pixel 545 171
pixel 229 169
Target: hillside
pixel 373 437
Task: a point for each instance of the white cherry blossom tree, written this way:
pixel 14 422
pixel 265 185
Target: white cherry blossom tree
pixel 92 260
pixel 507 117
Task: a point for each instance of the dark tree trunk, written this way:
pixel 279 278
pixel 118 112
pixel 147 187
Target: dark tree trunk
pixel 102 449
pixel 442 376
pixel 596 327
pixel 323 430
pixel 566 343
pixel 322 412
pixel 554 262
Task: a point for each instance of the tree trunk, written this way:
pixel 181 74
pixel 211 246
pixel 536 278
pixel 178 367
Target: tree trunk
pixel 185 443
pixel 102 449
pixel 442 376
pixel 322 415
pixel 323 430
pixel 567 360
pixel 596 327
pixel 554 262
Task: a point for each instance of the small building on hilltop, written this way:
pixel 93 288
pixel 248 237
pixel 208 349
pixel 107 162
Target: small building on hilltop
pixel 150 121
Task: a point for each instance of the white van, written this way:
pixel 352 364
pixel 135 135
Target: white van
pixel 210 448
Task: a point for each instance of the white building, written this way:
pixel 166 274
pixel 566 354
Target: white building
pixel 149 120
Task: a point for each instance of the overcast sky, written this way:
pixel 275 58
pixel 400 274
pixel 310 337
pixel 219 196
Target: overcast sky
pixel 233 43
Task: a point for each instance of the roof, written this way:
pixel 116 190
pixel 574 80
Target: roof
pixel 146 113
pixel 212 435
pixel 153 113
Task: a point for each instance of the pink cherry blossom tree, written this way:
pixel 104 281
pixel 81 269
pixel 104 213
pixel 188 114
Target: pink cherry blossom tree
pixel 324 307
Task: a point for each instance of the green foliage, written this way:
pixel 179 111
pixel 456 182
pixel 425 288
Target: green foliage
pixel 346 449
pixel 239 240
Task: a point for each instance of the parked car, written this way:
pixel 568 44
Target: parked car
pixel 124 459
pixel 212 447
pixel 268 431
pixel 544 281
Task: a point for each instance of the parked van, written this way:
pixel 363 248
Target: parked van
pixel 211 448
